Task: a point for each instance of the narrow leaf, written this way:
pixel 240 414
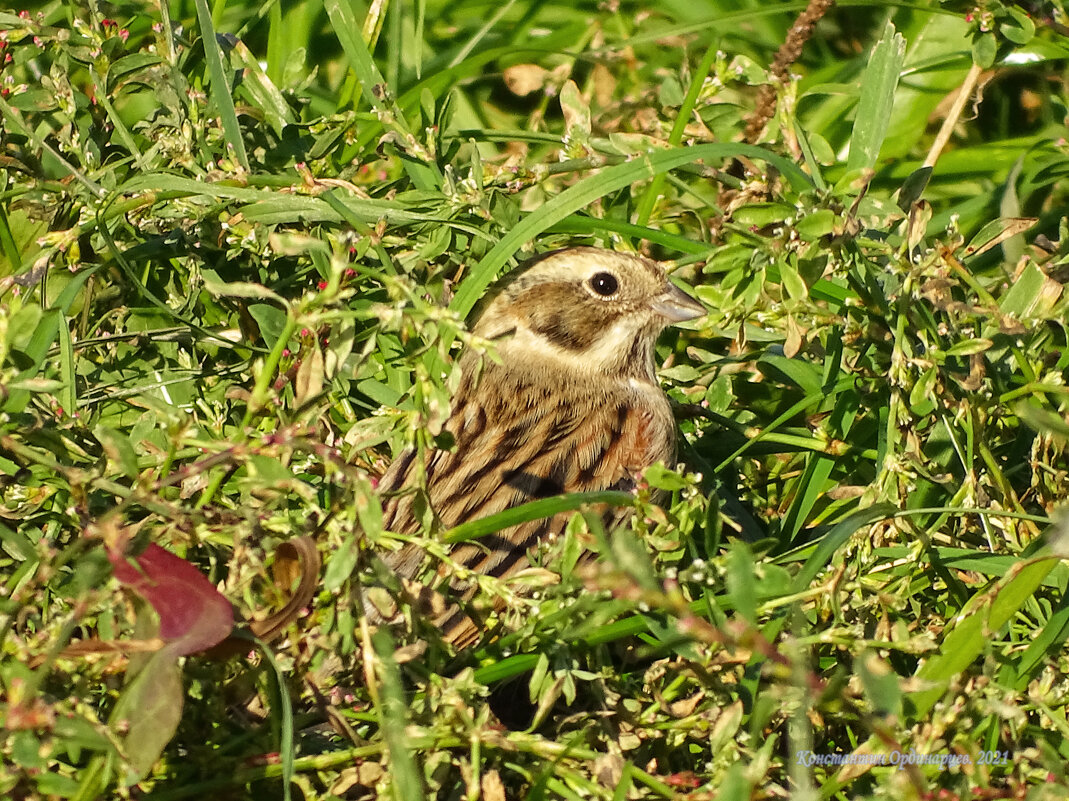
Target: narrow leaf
pixel 972 629
pixel 393 719
pixel 533 510
pixel 597 186
pixel 836 538
pixel 238 289
pixel 878 86
pixel 150 709
pixel 219 84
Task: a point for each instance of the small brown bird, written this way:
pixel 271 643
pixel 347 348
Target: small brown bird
pixel 572 405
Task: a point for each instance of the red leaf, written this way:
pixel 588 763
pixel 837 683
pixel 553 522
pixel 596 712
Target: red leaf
pixel 193 615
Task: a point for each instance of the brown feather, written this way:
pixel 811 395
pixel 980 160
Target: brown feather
pixel 572 406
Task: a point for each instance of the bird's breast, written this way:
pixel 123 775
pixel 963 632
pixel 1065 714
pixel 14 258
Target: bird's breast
pixel 562 435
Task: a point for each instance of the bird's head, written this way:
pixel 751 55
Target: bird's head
pixel 587 310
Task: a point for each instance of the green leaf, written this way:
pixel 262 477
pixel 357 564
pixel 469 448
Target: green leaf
pixel 18 544
pixel 984 50
pixel 576 115
pixel 68 397
pixel 149 709
pixel 77 732
pixel 599 185
pixel 660 477
pixel 33 385
pixel 56 785
pixel 392 709
pixel 22 325
pixel 996 232
pixel 368 507
pixel 817 224
pixel 1019 29
pixel 340 565
pixel 628 553
pixel 268 470
pixel 881 684
pixel 382 394
pixel 26 751
pixel 801 373
pixel 1041 420
pixel 44 335
pixel 534 510
pixel 284 716
pixel 740 581
pixel 271 321
pixel 1031 295
pixel 342 337
pixel 761 214
pixel 538 678
pixel 835 538
pixel 425 175
pixel 968 347
pixel 134 62
pixel 220 85
pixel 310 375
pixel 874 108
pixel 670 92
pixel 772 581
pixel 118 448
pixel 1053 634
pixel 913 187
pixel 238 289
pixel 792 281
pixel 920 397
pixel 982 617
pixel 573 547
pixel 263 92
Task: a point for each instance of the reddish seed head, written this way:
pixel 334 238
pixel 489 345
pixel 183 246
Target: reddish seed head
pixel 322 285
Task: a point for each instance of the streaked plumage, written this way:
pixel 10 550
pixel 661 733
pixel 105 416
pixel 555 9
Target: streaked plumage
pixel 573 405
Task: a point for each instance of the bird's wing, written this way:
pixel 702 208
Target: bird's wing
pixel 515 444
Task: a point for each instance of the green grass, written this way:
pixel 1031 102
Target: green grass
pixel 238 245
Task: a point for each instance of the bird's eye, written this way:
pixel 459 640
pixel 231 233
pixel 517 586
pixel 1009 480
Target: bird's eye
pixel 604 284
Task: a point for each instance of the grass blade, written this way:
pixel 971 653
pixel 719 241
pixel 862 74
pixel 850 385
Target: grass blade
pixel 219 85
pixel 597 186
pixel 534 510
pixel 878 86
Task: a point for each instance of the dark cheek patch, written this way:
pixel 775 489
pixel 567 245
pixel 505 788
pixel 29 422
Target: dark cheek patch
pixel 565 315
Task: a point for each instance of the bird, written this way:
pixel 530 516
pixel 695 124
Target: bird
pixel 570 404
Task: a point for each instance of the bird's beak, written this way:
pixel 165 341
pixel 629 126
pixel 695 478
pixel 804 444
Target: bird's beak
pixel 675 305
